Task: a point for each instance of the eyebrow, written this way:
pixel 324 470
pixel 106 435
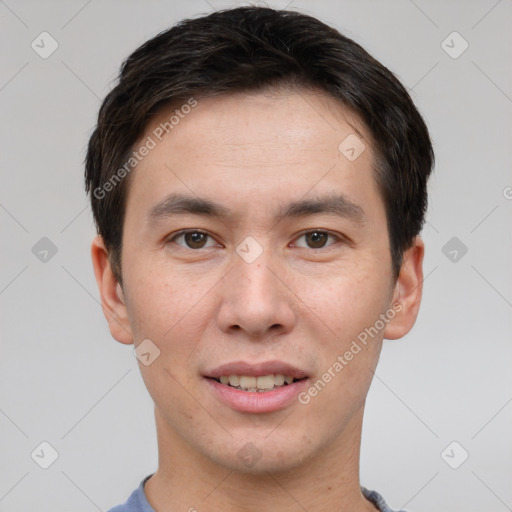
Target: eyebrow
pixel 181 204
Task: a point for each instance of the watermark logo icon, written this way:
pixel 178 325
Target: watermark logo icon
pixel 454 455
pixel 454 45
pixel 146 352
pixel 351 147
pixel 44 250
pixel 249 454
pixel 249 249
pixel 44 455
pixel 44 45
pixel 454 249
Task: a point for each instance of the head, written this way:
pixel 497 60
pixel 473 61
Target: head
pixel 298 166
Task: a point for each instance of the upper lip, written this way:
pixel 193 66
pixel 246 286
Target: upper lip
pixel 256 369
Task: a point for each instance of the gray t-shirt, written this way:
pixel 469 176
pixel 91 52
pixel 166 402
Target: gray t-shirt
pixel 137 501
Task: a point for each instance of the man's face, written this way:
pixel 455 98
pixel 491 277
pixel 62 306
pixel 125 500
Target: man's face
pixel 254 293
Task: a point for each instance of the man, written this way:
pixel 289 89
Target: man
pixel 258 182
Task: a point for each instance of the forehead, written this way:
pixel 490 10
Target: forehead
pixel 273 144
pixel 280 119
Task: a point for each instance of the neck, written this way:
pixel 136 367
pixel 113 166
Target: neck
pixel 187 480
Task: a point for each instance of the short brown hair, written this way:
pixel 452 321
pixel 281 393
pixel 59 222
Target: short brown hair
pixel 253 48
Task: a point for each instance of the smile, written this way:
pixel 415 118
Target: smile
pixel 260 384
pixel 256 387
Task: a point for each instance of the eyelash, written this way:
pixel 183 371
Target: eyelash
pixel 322 231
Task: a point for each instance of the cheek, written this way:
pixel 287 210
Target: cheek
pixel 349 310
pixel 349 301
pixel 162 301
pixel 167 308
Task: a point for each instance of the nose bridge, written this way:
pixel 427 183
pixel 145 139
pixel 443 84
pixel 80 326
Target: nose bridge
pixel 254 299
pixel 255 280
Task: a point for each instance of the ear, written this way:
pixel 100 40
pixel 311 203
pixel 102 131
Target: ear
pixel 407 292
pixel 112 299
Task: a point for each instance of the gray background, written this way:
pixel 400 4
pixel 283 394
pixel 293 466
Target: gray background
pixel 65 381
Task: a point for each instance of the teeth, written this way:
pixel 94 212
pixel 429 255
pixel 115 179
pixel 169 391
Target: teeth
pixel 247 382
pixel 279 380
pixel 265 382
pixel 262 383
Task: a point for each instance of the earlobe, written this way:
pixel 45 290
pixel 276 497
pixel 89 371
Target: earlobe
pixel 112 297
pixel 407 292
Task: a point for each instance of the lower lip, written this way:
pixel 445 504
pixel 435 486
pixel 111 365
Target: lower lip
pixel 255 402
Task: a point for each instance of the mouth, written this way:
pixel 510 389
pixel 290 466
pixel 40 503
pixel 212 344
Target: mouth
pixel 256 387
pixel 261 384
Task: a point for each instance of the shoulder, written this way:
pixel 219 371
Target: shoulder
pixel 375 498
pixel 137 501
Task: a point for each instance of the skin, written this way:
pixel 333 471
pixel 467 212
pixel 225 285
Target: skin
pixel 297 302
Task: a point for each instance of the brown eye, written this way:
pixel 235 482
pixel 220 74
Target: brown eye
pixel 316 239
pixel 192 239
pixel 195 240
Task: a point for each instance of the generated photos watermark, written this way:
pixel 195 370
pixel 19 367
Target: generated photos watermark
pixel 151 141
pixel 356 347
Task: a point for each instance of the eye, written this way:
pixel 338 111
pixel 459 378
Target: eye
pixel 317 239
pixel 192 239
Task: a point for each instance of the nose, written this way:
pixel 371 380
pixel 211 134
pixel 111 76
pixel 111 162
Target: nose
pixel 256 299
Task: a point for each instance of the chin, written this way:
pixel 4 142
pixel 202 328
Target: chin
pixel 260 456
